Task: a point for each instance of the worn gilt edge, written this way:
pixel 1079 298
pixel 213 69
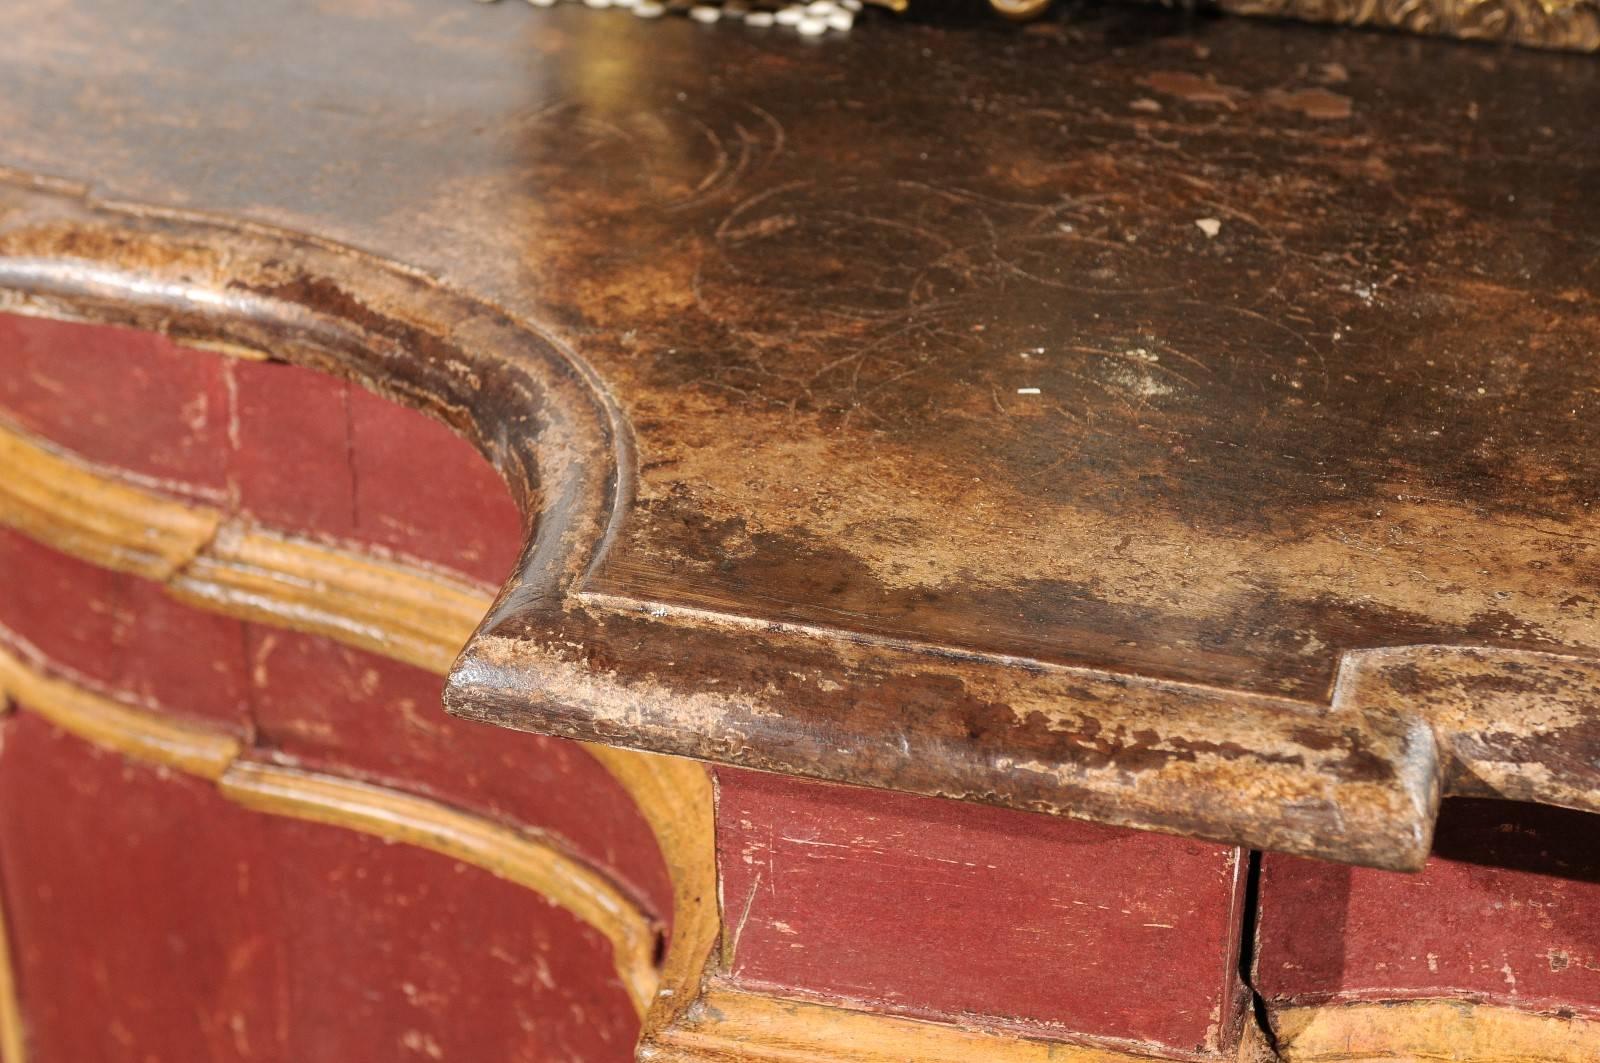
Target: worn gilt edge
pixel 11 1031
pixel 1431 1031
pixel 227 565
pixel 93 517
pixel 218 758
pixel 401 817
pixel 732 1025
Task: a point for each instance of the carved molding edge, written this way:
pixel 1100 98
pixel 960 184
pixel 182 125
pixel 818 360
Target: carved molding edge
pixel 733 1026
pixel 728 1025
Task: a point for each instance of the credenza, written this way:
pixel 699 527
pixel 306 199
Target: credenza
pixel 532 534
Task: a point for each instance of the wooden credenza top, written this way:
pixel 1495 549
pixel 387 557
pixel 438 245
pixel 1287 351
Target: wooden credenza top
pixel 1184 427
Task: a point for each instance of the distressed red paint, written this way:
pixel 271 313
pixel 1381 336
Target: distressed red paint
pixel 1507 911
pixel 934 908
pixel 123 633
pixel 289 447
pixel 153 920
pixel 337 709
pixel 122 397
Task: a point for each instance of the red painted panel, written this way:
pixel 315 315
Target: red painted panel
pixel 152 920
pixel 1507 911
pixel 295 449
pixel 424 491
pixel 129 399
pixel 123 632
pixel 930 907
pixel 340 709
pixel 291 467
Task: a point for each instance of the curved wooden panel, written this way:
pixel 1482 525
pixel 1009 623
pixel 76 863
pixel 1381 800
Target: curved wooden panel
pixel 154 918
pixel 401 817
pixel 397 816
pixel 527 404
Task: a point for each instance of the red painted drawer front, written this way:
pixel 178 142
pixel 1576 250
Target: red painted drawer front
pixel 340 710
pixel 1507 911
pixel 124 633
pixel 152 920
pixel 296 449
pixel 128 399
pixel 936 908
pixel 331 707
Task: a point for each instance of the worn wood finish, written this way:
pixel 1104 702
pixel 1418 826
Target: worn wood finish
pixel 1357 417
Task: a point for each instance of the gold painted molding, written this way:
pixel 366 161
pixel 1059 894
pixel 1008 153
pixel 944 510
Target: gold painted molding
pixel 676 798
pixel 399 610
pixel 733 1026
pixel 11 1037
pixel 11 1047
pixel 111 724
pixel 53 498
pixel 401 817
pixel 379 811
pixel 1431 1031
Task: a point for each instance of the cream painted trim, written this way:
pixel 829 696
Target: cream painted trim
pixel 1431 1031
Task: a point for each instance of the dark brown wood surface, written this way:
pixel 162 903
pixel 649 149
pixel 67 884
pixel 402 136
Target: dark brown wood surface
pixel 1044 418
